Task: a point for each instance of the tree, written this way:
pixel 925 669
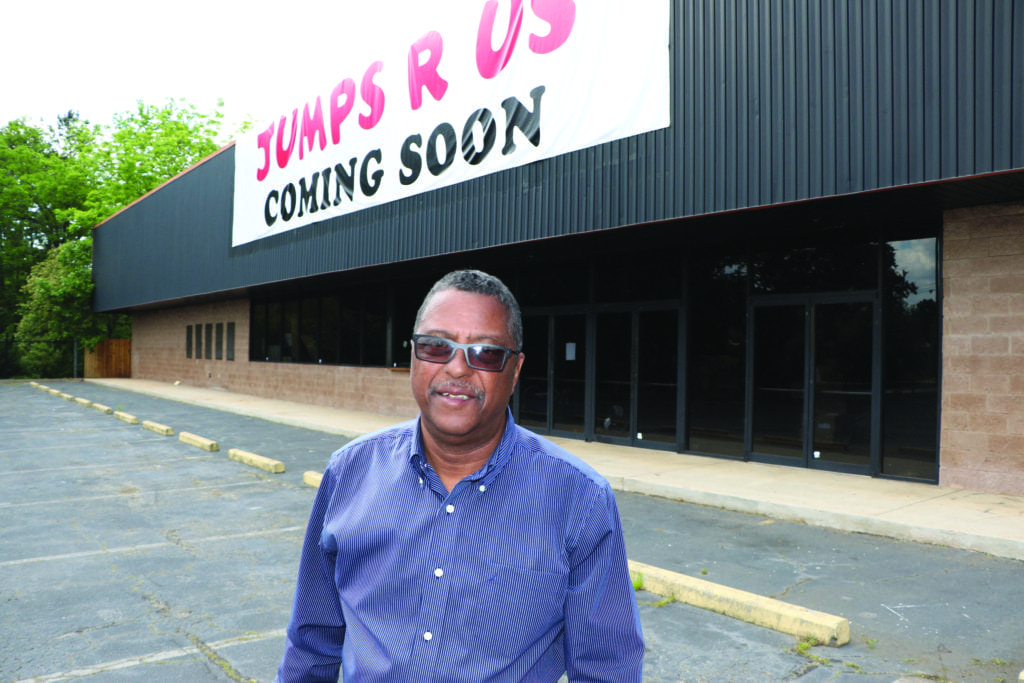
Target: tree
pixel 143 149
pixel 42 176
pixel 56 184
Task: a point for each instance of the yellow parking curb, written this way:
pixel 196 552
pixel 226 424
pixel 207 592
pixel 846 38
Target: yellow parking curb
pixel 257 461
pixel 198 441
pixel 106 410
pixel 755 609
pixel 126 417
pixel 312 479
pixel 83 402
pixel 157 427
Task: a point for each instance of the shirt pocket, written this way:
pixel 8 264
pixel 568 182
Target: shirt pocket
pixel 517 607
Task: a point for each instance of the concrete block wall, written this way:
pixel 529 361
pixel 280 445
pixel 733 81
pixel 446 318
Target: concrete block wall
pixel 982 440
pixel 158 353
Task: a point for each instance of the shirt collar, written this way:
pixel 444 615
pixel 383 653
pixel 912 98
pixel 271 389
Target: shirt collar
pixel 491 469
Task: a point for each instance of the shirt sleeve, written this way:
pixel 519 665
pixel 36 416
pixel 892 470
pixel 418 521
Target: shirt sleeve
pixel 603 637
pixel 316 631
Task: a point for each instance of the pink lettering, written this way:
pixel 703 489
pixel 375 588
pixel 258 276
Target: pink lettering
pixel 425 75
pixel 373 95
pixel 264 144
pixel 560 15
pixel 488 62
pixel 313 126
pixel 283 155
pixel 339 112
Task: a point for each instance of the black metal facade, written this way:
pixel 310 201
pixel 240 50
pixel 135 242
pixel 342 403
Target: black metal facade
pixel 773 101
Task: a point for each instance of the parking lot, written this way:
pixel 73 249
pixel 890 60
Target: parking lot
pixel 128 555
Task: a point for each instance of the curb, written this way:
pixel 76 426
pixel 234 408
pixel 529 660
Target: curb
pixel 84 402
pixel 125 417
pixel 257 461
pixel 198 441
pixel 312 479
pixel 106 410
pixel 157 427
pixel 755 609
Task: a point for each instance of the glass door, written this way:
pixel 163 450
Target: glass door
pixel 813 398
pixel 636 377
pixel 779 383
pixel 842 356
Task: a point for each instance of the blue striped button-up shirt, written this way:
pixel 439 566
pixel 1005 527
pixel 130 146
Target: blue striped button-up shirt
pixel 518 574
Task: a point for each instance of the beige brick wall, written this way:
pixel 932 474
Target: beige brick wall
pixel 982 444
pixel 158 353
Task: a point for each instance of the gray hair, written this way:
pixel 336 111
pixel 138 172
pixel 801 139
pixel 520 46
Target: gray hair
pixel 477 282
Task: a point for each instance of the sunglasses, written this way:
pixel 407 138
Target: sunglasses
pixel 489 357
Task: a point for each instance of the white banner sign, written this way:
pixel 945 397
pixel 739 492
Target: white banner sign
pixel 421 95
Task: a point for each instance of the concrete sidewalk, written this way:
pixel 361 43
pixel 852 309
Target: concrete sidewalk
pixel 959 518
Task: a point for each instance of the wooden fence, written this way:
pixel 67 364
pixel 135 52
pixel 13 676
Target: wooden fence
pixel 110 358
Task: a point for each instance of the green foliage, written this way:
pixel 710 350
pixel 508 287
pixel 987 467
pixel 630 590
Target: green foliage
pixel 140 151
pixel 56 184
pixel 56 309
pixel 43 174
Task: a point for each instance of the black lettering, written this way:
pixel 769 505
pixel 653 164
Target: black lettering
pixel 446 133
pixel 490 129
pixel 411 160
pixel 288 202
pixel 326 203
pixel 364 183
pixel 307 198
pixel 268 217
pixel 518 116
pixel 345 179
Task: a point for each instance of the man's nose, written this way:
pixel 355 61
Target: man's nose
pixel 458 366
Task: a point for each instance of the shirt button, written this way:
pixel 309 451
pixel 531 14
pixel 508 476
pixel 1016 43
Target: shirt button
pixel 421 481
pixel 428 635
pixel 450 509
pixel 439 572
pixel 483 487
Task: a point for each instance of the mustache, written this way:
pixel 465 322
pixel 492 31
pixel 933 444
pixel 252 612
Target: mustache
pixel 456 388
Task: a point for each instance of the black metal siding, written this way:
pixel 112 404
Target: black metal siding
pixel 773 101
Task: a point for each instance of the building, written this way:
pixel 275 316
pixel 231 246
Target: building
pixel 811 254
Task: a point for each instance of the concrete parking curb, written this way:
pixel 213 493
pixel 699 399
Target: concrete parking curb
pixel 198 441
pixel 258 461
pixel 157 427
pixel 780 616
pixel 106 410
pixel 126 417
pixel 312 479
pixel 84 402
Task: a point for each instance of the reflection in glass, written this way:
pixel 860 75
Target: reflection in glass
pixel 613 394
pixel 657 363
pixel 823 268
pixel 717 348
pixel 778 422
pixel 842 383
pixel 910 402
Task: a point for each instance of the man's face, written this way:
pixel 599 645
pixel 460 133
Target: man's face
pixel 461 406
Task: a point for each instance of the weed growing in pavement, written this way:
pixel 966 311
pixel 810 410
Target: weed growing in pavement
pixel 803 648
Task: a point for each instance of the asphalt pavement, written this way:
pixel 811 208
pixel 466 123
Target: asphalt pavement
pixel 128 555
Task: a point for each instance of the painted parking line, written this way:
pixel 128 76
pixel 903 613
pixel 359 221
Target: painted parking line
pixel 154 658
pixel 132 494
pixel 148 546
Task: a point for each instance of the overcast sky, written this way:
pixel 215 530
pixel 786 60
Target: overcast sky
pixel 99 57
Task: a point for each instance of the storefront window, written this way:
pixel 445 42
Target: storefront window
pixel 910 400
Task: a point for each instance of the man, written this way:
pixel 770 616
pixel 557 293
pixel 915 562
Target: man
pixel 459 547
